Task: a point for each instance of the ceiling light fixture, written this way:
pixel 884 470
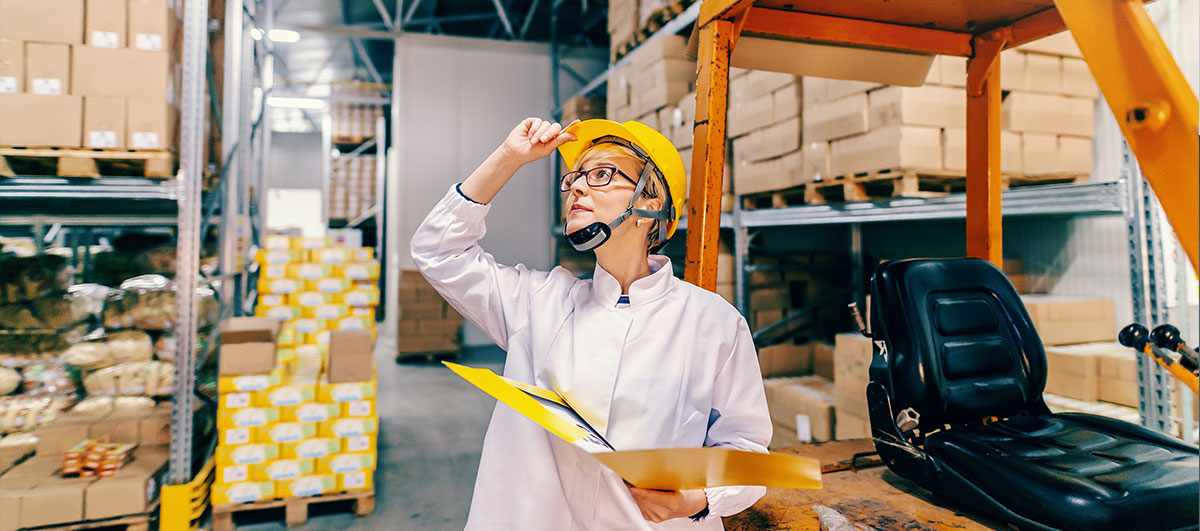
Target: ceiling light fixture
pixel 276 35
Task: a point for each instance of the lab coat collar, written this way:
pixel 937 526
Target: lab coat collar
pixel 608 291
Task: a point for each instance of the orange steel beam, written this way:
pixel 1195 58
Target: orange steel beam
pixel 712 10
pixel 793 25
pixel 708 153
pixel 984 232
pixel 1033 27
pixel 1155 108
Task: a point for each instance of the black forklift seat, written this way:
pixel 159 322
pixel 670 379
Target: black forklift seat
pixel 955 350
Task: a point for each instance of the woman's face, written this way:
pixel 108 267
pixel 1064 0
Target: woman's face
pixel 586 205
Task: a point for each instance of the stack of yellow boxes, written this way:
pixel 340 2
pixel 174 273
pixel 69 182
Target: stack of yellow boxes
pixel 291 432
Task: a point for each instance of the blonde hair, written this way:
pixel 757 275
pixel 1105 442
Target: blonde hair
pixel 655 188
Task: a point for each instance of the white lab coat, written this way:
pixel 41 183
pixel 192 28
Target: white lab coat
pixel 676 368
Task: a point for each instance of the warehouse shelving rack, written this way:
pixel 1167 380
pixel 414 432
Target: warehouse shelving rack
pixel 376 145
pixel 720 22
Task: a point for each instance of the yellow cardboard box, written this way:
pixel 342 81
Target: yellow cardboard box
pixel 310 271
pixel 281 469
pixel 354 323
pixel 330 285
pixel 308 299
pixel 310 485
pixel 365 312
pixel 282 313
pixel 346 463
pixel 331 256
pixel 284 356
pixel 285 395
pixel 360 297
pixel 345 392
pixel 273 271
pixel 235 400
pixel 359 443
pixel 246 454
pixel 357 271
pixel 327 311
pixel 364 480
pixel 342 428
pixel 247 417
pixel 285 432
pixel 269 257
pixel 310 412
pixel 308 325
pixel 314 243
pixel 271 299
pixel 230 474
pixel 358 408
pixel 242 492
pixel 310 448
pixel 280 286
pixel 234 437
pixel 318 338
pixel 278 242
pixel 250 382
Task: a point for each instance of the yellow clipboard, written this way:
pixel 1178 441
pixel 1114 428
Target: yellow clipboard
pixel 659 468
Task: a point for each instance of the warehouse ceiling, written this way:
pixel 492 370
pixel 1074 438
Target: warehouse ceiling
pixel 324 54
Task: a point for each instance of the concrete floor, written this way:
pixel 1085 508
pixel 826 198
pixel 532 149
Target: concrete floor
pixel 431 433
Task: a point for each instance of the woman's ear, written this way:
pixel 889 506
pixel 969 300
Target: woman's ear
pixel 655 203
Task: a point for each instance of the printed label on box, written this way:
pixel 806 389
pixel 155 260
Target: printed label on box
pixel 8 85
pixel 286 396
pixel 46 86
pixel 272 299
pixel 236 436
pixel 360 408
pixel 105 39
pixel 244 492
pixel 102 139
pixel 346 463
pixel 255 382
pixel 311 299
pixel 309 486
pixel 278 257
pixel 283 285
pixel 311 271
pixel 276 271
pixel 332 256
pixel 145 140
pixel 355 480
pixel 236 400
pixel 313 413
pixel 234 474
pixel 348 428
pixel 358 444
pixel 351 323
pixel 283 470
pixel 289 432
pixel 250 417
pixel 356 272
pixel 357 298
pixel 248 455
pixel 148 41
pixel 282 313
pixel 346 393
pixel 330 285
pixel 313 448
pixel 328 311
pixel 307 326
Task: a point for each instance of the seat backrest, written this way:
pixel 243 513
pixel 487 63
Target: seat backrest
pixel 960 344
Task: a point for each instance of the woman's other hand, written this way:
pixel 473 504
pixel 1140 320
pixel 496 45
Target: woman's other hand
pixel 535 138
pixel 662 505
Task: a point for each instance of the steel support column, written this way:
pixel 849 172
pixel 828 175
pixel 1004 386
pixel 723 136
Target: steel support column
pixel 232 144
pixel 984 233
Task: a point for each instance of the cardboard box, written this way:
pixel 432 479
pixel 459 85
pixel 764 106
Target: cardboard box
pixel 787 102
pixel 665 71
pixel 364 480
pixel 12 66
pixel 310 485
pixel 360 443
pixel 802 406
pixel 358 408
pixel 104 23
pixel 815 161
pixel 151 25
pixel 929 106
pixel 309 412
pixel 823 355
pixel 1073 372
pixel 1062 44
pixel 954 70
pixel 350 356
pixel 850 426
pixel 1044 73
pixel 248 345
pixel 42 20
pixel 121 72
pixel 251 382
pixel 345 392
pixel 1014 73
pixel 103 122
pixel 346 463
pixel 132 490
pixel 245 492
pixel 954 150
pixel 1074 155
pixel 785 359
pixel 748 116
pixel 768 175
pixel 1077 79
pixel 150 124
pixel 247 417
pixel 1045 113
pixel 285 395
pixel 341 428
pixel 852 355
pixel 1062 320
pixel 311 448
pixel 836 89
pixel 246 454
pixel 836 119
pixel 659 48
pixel 906 147
pixel 285 432
pixel 55 500
pixel 47 69
pixel 761 83
pixel 651 99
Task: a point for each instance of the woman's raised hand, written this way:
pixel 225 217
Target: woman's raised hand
pixel 535 138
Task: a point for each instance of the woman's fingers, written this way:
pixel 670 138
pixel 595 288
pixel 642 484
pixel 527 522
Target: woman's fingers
pixel 540 136
pixel 561 139
pixel 551 132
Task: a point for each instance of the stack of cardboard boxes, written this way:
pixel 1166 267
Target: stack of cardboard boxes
pixel 354 121
pixel 622 24
pixel 659 75
pixel 293 420
pixel 318 285
pixel 764 125
pixel 851 361
pixel 582 108
pixel 93 74
pixel 427 322
pixel 801 410
pixel 352 191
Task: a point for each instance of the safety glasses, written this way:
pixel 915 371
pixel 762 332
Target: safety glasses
pixel 595 177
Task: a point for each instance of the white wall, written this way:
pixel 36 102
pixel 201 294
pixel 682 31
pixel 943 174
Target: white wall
pixel 459 99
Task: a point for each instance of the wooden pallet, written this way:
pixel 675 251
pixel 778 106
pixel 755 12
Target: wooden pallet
pixel 350 139
pixel 428 357
pixel 132 522
pixel 655 22
pixel 1016 181
pixel 76 162
pixel 295 510
pixel 787 197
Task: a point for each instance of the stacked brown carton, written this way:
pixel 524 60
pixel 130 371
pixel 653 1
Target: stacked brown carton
pixel 427 322
pixel 352 191
pixel 622 24
pixel 851 361
pixel 801 410
pixel 661 75
pixel 95 74
pixel 582 108
pixel 354 120
pixel 777 294
pixel 764 124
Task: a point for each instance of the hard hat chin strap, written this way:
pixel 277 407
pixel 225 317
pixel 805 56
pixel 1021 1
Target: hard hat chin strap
pixel 594 235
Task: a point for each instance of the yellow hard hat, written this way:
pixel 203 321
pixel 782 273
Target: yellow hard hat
pixel 653 144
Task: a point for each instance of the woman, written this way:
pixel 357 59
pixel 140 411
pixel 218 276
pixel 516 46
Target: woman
pixel 648 360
